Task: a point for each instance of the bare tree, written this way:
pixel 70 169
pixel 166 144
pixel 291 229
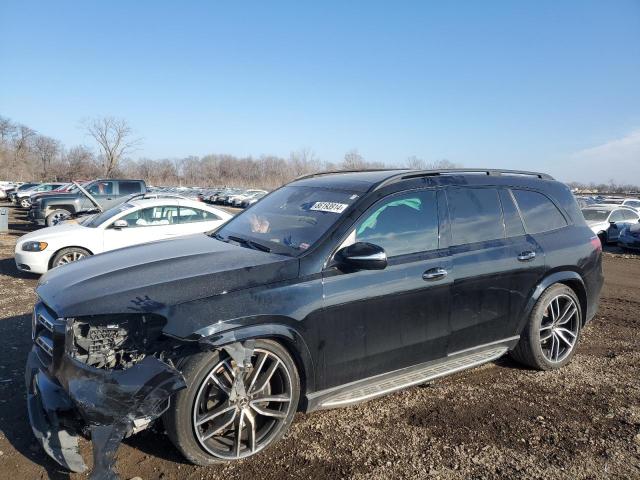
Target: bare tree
pixel 416 163
pixel 353 161
pixel 6 129
pixel 115 137
pixel 21 143
pixel 47 149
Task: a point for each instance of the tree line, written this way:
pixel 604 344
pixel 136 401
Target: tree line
pixel 26 155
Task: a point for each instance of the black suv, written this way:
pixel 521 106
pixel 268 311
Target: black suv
pixel 333 289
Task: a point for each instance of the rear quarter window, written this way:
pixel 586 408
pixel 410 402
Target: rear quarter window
pixel 128 188
pixel 538 212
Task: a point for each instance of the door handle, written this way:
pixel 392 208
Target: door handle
pixel 434 274
pixel 526 256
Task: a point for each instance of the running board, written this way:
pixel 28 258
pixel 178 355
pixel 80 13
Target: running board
pixel 391 382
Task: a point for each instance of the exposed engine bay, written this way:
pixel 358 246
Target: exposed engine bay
pixel 116 343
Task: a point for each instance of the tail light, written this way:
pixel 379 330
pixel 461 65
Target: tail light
pixel 596 243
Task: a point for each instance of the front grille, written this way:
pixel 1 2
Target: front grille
pixel 47 332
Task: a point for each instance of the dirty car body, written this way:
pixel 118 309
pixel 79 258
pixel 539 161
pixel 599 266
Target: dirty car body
pixel 112 332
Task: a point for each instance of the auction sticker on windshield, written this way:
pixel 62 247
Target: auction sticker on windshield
pixel 329 207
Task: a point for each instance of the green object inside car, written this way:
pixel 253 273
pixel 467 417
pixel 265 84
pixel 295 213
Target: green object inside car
pixel 370 222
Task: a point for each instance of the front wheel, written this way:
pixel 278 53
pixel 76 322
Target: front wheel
pixel 68 255
pixel 25 203
pixel 549 340
pixel 56 217
pixel 225 414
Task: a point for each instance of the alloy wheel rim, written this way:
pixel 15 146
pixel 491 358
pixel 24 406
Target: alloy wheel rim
pixel 57 218
pixel 559 328
pixel 70 257
pixel 236 414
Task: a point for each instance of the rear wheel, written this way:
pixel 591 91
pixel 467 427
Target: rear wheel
pixel 68 255
pixel 226 415
pixel 25 203
pixel 550 338
pixel 56 217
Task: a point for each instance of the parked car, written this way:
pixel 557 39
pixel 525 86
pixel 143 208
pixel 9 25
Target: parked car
pixel 621 201
pixel 23 198
pixel 605 219
pixel 25 186
pixel 98 194
pixel 629 238
pixel 314 298
pixel 236 200
pixel 247 202
pixel 136 221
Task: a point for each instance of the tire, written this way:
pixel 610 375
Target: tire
pixel 56 217
pixel 69 255
pixel 25 203
pixel 187 405
pixel 547 329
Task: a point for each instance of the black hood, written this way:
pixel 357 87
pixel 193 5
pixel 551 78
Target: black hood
pixel 155 276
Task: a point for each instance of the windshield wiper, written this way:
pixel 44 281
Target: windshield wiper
pixel 249 243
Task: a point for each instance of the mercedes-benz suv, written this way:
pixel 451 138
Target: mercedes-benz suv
pixel 334 289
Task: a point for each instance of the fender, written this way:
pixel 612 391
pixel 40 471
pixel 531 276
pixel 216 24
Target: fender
pixel 569 277
pixel 287 335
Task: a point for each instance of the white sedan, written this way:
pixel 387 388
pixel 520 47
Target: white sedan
pixel 131 223
pixel 604 219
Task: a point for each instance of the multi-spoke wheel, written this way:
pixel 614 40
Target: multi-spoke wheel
pixel 231 411
pixel 559 328
pixel 549 339
pixel 68 255
pixel 56 217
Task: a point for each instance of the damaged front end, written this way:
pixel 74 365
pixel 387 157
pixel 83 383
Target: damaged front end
pixel 103 376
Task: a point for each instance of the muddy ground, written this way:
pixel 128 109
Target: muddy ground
pixel 497 421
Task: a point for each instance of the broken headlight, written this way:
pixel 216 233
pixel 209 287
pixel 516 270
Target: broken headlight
pixel 114 341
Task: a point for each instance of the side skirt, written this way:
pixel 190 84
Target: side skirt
pixel 373 387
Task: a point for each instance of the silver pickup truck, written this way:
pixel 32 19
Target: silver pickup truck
pixel 99 194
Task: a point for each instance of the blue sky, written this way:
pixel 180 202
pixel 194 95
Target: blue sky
pixel 543 85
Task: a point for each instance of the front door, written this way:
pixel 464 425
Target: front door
pixel 383 320
pixel 143 225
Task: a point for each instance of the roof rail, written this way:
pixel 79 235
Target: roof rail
pixel 331 172
pixel 482 171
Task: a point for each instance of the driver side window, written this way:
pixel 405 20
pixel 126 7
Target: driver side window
pixel 401 224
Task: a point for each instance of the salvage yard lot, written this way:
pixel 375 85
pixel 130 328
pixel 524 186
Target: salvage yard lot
pixel 497 421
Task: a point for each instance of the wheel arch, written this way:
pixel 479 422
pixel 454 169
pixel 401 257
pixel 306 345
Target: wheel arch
pixel 285 335
pixel 571 279
pixel 53 255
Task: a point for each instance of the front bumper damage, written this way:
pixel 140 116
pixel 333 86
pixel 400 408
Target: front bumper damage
pixel 66 398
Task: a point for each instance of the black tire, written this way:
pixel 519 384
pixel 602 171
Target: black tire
pixel 70 253
pixel 529 351
pixel 56 216
pixel 179 419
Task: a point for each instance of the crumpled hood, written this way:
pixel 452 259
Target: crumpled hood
pixel 155 276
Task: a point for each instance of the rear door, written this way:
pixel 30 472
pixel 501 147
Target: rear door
pixel 376 321
pixel 195 220
pixel 494 264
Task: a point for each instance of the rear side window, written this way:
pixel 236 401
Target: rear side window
pixel 629 215
pixel 538 212
pixel 127 188
pixel 475 215
pixel 190 215
pixel 512 221
pixel 402 224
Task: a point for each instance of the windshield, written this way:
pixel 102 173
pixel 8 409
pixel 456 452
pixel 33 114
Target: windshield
pixel 595 215
pixel 97 220
pixel 288 221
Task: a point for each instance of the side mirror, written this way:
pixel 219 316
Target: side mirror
pixel 118 224
pixel 361 256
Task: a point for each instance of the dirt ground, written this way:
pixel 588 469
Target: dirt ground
pixel 496 421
